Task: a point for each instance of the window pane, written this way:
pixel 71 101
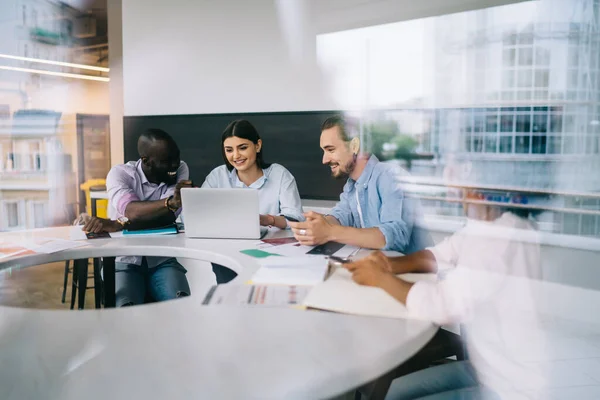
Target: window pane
pixel 540 94
pixel 554 143
pixel 555 123
pixel 506 122
pixel 506 144
pixel 542 56
pixel 541 78
pixel 490 143
pixel 477 144
pixel 508 78
pixel 39 215
pixel 522 144
pixel 524 78
pixel 523 123
pixel 13 214
pixel 509 39
pixel 507 95
pixel 491 123
pixel 588 225
pixel 479 122
pixel 540 123
pixel 526 37
pixel 538 144
pixel 526 56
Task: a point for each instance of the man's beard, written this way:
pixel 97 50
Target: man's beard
pixel 344 173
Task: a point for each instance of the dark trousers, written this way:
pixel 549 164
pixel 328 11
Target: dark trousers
pixel 223 274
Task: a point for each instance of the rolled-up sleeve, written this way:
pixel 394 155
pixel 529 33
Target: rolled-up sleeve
pixel 119 185
pixel 396 215
pixel 342 211
pixel 446 252
pixel 289 198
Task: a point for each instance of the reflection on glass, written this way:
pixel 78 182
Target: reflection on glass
pixel 527 71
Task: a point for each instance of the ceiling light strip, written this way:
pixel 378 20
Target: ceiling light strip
pixel 62 74
pixel 62 64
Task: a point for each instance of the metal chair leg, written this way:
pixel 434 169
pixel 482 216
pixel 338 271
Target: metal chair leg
pixel 109 282
pixel 97 282
pixel 74 284
pixel 66 280
pixel 82 276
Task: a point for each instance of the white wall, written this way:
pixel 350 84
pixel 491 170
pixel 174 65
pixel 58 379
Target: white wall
pixel 203 56
pixel 228 56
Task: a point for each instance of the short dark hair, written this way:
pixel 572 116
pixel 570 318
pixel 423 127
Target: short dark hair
pixel 244 130
pixel 348 128
pixel 155 134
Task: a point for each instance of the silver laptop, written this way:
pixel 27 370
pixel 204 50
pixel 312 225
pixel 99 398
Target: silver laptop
pixel 221 213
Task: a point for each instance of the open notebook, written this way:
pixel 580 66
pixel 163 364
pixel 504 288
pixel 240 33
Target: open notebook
pixel 339 293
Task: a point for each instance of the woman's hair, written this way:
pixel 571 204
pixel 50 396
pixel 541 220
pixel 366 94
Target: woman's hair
pixel 244 130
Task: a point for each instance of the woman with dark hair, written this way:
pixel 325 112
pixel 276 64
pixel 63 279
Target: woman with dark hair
pixel 244 167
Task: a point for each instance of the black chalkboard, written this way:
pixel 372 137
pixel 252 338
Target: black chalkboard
pixel 289 138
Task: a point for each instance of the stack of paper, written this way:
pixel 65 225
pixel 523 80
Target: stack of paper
pixel 339 293
pixel 255 295
pixel 291 271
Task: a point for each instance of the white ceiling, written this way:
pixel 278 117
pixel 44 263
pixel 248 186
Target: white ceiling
pixel 338 15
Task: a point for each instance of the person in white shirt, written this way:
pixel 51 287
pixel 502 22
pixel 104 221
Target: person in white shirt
pixel 245 168
pixel 491 265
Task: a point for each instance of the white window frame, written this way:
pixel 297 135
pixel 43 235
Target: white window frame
pixel 27 160
pixel 21 222
pixel 31 213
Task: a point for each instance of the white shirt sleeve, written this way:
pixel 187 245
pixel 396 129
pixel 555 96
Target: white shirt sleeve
pixel 446 252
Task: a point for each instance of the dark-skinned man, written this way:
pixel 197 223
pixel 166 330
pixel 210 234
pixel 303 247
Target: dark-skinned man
pixel 146 194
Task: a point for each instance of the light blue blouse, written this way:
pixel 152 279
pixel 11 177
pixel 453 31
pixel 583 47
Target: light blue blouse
pixel 277 189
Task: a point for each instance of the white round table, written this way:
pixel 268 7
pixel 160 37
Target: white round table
pixel 182 349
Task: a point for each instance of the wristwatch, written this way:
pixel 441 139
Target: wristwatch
pixel 123 221
pixel 173 210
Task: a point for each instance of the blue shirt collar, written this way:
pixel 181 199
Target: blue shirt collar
pixel 235 180
pixel 364 178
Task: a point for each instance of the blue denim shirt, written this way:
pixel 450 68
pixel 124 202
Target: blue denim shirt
pixel 383 206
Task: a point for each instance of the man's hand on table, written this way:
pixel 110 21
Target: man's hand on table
pixel 97 225
pixel 372 270
pixel 315 230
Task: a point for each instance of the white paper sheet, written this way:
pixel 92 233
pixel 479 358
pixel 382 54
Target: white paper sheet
pixel 291 271
pixel 292 250
pixel 77 233
pixel 48 246
pixel 256 295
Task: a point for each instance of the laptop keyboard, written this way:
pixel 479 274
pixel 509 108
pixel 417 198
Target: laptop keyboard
pixel 326 249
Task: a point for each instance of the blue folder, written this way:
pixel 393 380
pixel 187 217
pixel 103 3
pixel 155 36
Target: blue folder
pixel 165 230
